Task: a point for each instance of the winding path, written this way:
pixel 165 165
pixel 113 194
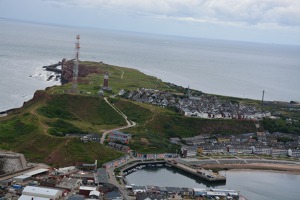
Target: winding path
pixel 122 75
pixel 129 122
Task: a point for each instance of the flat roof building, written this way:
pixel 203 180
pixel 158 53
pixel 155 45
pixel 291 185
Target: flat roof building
pixel 26 197
pixel 36 172
pixel 21 179
pixel 42 192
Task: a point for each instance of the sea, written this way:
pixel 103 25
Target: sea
pixel 252 184
pixel 231 68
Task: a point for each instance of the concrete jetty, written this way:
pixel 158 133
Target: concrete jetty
pixel 204 174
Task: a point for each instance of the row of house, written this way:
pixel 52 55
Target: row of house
pixel 119 147
pixel 191 151
pixel 114 136
pixel 150 191
pixel 117 136
pixel 204 106
pixel 263 143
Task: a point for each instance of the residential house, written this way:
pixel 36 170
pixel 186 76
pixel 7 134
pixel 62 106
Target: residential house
pixel 199 192
pixel 69 183
pixel 117 136
pixel 189 151
pixel 91 138
pixel 48 182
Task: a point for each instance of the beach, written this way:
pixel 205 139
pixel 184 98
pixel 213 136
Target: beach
pixel 272 167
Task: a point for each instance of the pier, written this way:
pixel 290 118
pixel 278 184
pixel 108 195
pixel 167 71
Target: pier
pixel 204 174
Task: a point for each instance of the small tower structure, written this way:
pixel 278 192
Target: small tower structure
pixel 188 92
pixel 75 67
pixel 106 76
pixel 262 100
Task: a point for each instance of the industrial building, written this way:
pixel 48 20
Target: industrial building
pixel 37 172
pixel 42 192
pixel 21 179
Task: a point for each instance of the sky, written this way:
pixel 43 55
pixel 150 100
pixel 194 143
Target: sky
pixel 267 21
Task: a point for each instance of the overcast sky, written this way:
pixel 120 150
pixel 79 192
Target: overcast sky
pixel 272 21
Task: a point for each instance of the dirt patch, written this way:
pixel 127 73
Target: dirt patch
pixel 145 141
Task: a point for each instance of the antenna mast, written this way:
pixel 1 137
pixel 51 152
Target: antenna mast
pixel 262 100
pixel 75 67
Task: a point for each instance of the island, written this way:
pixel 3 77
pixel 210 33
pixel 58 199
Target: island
pixel 113 117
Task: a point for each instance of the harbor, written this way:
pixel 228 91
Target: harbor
pixel 168 189
pixel 203 174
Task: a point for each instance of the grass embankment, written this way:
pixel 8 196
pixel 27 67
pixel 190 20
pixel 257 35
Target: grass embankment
pixel 78 114
pixel 29 130
pixel 133 111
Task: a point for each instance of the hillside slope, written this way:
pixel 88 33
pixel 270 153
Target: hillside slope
pixel 38 129
pixel 34 129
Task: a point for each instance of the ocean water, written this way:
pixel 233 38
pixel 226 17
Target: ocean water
pixel 254 185
pixel 213 66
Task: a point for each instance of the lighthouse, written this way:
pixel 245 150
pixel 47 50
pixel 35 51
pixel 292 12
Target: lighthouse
pixel 105 84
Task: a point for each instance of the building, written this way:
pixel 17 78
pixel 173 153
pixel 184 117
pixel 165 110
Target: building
pixel 88 166
pixel 37 172
pixel 117 136
pixel 7 182
pixel 101 176
pixel 22 179
pixel 91 137
pixel 69 183
pixel 146 196
pixel 119 147
pixel 42 192
pixel 26 197
pixel 48 182
pixel 76 197
pixel 94 195
pixel 199 192
pixel 65 171
pixel 189 151
pixel 105 82
pixel 85 190
pixel 113 195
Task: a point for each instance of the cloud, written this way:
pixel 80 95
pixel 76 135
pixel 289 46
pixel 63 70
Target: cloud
pixel 227 12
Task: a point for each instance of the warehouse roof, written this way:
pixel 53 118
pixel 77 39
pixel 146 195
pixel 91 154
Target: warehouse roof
pixel 35 172
pixel 27 197
pixel 39 191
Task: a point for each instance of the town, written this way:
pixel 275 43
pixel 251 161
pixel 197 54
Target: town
pixel 25 181
pixel 203 106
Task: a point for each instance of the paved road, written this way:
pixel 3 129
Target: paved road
pixel 113 180
pixel 129 122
